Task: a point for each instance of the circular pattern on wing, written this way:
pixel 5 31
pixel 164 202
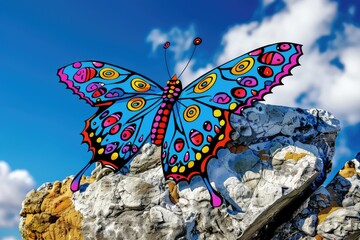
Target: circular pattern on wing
pixel 140 85
pixel 191 113
pixel 247 81
pixel 205 84
pixel 243 66
pixel 109 74
pixel 112 119
pixel 238 92
pixel 221 98
pixel 135 104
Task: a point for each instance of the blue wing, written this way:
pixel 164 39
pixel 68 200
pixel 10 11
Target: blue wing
pixel 101 83
pixel 243 80
pixel 127 106
pixel 194 135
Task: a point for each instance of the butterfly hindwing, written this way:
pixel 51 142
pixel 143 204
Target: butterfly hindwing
pixel 101 83
pixel 194 135
pixel 243 80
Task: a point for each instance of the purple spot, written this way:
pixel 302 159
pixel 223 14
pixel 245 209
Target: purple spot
pixel 93 86
pixel 207 126
pixel 283 47
pixel 125 149
pixel 141 138
pixel 221 98
pixel 247 81
pixel 77 65
pixel 98 64
pixel 256 52
pixel 110 148
pixel 186 157
pixel 163 155
pixel 134 149
pixel 116 92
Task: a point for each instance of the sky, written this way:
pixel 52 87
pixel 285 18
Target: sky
pixel 41 121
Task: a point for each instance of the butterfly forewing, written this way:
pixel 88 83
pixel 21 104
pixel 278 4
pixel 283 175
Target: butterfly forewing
pixel 243 80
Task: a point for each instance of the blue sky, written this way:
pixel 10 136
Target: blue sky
pixel 41 121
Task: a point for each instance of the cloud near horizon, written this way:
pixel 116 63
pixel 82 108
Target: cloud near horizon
pixel 14 186
pixel 326 79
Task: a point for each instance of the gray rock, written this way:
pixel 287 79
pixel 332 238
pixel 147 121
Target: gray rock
pixel 288 152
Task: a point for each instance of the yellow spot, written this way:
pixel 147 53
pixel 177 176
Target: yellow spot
pixel 232 106
pixel 171 91
pixel 172 87
pixel 167 82
pixel 217 113
pixel 174 169
pixel 177 81
pixel 198 156
pixel 98 100
pixel 169 96
pixel 98 140
pixel 191 164
pixel 91 134
pixel 222 122
pixel 101 151
pixel 182 169
pixel 221 137
pixel 114 156
pixel 205 149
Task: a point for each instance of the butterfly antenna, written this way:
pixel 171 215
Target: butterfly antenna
pixel 166 45
pixel 197 41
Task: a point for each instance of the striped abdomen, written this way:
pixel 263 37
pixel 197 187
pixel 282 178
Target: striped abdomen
pixel 170 96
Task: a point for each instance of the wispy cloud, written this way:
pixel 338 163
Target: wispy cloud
pixel 13 188
pixel 181 40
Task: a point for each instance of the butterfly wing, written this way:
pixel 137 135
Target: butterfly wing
pixel 236 84
pixel 127 105
pixel 101 83
pixel 194 135
pixel 200 123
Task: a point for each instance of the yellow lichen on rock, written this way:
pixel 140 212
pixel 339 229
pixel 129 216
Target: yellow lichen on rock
pixel 50 213
pixel 294 156
pixel 348 170
pixel 326 212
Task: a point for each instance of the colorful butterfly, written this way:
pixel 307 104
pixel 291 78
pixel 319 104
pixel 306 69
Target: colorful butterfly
pixel 189 124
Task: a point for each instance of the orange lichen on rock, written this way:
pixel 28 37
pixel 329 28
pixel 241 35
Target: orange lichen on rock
pixel 50 213
pixel 263 156
pixel 348 170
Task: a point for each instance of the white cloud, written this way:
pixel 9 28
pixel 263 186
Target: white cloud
pixel 323 84
pixel 13 188
pixel 9 238
pixel 180 40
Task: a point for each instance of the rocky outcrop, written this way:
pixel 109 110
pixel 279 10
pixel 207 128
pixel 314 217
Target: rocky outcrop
pixel 49 213
pixel 331 212
pixel 278 158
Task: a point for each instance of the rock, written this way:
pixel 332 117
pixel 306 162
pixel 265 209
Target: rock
pixel 336 207
pixel 48 213
pixel 279 156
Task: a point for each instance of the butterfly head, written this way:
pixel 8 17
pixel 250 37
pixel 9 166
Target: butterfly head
pixel 173 89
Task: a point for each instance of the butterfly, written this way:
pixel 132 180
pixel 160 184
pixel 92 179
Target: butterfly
pixel 190 124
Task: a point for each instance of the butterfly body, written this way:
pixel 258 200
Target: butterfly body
pixel 170 96
pixel 190 124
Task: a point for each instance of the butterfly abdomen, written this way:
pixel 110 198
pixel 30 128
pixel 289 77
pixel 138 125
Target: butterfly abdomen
pixel 170 96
